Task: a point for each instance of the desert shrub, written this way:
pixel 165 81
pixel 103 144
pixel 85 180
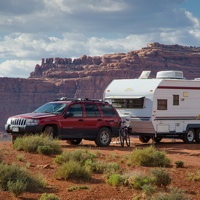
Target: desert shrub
pixel 137 180
pixel 173 194
pixel 111 168
pixel 16 187
pixel 28 164
pixel 194 176
pixel 160 177
pixel 73 170
pixel 20 157
pixel 17 179
pixel 31 143
pixel 46 196
pixel 101 167
pixel 46 150
pixel 71 189
pixel 114 180
pixel 94 166
pixel 78 155
pixel 179 164
pixel 1 156
pixel 148 157
pixel 148 189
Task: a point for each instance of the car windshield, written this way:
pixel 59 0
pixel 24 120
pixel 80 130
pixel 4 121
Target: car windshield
pixel 56 108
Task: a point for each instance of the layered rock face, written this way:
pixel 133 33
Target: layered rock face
pixel 89 76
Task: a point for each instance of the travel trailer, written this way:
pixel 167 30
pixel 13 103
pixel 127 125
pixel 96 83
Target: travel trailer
pixel 167 106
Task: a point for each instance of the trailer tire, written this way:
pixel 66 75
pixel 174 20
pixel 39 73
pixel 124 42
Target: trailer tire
pixel 197 136
pixel 157 139
pixel 189 136
pixel 144 139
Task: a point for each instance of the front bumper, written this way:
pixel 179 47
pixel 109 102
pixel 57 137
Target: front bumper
pixel 14 129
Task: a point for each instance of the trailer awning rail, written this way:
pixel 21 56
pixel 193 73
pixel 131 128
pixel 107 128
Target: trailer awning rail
pixel 124 97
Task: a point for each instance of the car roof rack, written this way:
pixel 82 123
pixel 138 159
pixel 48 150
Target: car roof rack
pixel 64 99
pixel 87 99
pixel 79 99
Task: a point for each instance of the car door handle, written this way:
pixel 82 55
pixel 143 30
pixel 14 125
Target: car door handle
pixel 99 120
pixel 80 120
pixel 109 120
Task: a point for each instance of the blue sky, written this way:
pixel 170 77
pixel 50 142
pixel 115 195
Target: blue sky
pixel 35 29
pixel 192 6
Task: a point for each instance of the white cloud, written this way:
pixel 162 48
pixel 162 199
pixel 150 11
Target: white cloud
pixel 73 6
pixel 17 68
pixel 35 29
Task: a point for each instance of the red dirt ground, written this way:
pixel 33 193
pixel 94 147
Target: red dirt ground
pixel 97 188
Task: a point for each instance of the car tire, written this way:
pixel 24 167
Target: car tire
pixel 144 139
pixel 74 142
pixel 14 137
pixel 50 132
pixel 103 137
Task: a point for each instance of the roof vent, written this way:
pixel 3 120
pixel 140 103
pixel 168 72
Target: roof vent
pixel 169 75
pixel 145 75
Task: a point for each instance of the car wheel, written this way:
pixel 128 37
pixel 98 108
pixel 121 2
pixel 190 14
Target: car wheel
pixel 144 139
pixel 189 136
pixel 50 132
pixel 103 137
pixel 74 142
pixel 197 136
pixel 14 137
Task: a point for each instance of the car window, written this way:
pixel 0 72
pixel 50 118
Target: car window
pixel 108 110
pixel 91 110
pixel 76 110
pixel 56 108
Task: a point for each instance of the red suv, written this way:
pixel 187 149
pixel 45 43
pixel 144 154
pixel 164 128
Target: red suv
pixel 71 120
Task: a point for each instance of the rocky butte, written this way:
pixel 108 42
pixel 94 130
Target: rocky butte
pixel 88 76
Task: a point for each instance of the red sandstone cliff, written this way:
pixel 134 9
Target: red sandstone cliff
pixel 88 76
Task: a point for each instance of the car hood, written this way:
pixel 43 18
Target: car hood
pixel 34 115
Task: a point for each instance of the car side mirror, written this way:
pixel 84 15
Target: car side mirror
pixel 66 115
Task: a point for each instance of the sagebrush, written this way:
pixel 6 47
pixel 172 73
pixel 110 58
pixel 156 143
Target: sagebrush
pixel 37 143
pixel 149 156
pixel 17 180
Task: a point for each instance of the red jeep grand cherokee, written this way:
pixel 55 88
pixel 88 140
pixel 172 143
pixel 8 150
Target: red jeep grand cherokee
pixel 71 120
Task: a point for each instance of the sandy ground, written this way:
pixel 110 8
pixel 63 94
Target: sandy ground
pixel 97 188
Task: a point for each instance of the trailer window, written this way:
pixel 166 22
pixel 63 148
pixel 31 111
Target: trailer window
pixel 128 103
pixel 175 100
pixel 162 104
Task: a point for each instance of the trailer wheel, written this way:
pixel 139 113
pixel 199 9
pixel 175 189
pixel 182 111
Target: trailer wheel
pixel 144 139
pixel 157 139
pixel 197 136
pixel 189 137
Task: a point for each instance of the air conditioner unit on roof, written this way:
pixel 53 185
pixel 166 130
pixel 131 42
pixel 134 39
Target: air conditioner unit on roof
pixel 169 75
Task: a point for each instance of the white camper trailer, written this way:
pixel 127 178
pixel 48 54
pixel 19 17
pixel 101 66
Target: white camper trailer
pixel 165 106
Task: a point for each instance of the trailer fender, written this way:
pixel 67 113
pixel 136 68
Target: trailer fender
pixel 192 126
